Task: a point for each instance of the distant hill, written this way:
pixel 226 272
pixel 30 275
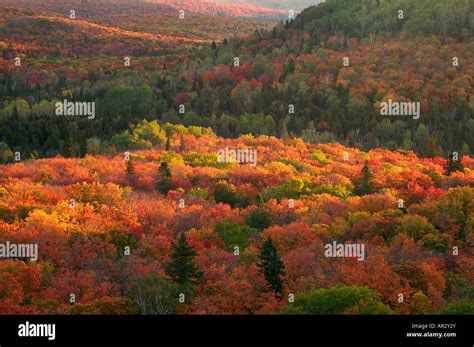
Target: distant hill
pixel 154 18
pixel 39 34
pixel 279 4
pixel 245 9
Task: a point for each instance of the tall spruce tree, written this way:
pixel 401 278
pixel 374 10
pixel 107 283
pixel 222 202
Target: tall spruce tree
pixel 271 266
pixel 364 185
pixel 163 179
pixel 453 165
pixel 69 149
pixel 182 269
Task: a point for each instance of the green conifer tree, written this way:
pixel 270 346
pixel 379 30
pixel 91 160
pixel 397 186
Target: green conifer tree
pixel 364 185
pixel 163 179
pixel 182 269
pixel 271 266
pixel 453 165
pixel 69 149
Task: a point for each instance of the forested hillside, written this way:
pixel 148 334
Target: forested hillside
pixel 322 76
pixel 139 17
pixel 363 18
pixel 283 4
pixel 245 9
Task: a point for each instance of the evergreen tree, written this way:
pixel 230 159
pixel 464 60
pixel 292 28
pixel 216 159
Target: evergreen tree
pixel 213 45
pixel 163 179
pixel 69 149
pixel 271 266
pixel 453 165
pixel 182 269
pixel 363 185
pixel 168 144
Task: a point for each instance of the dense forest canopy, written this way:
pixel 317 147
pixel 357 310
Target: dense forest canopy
pixel 291 80
pixel 128 236
pixel 362 18
pixel 163 166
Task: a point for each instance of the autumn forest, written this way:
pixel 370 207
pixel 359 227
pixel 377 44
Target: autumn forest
pixel 236 158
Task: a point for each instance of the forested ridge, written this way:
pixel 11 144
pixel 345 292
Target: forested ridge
pixel 363 18
pixel 298 63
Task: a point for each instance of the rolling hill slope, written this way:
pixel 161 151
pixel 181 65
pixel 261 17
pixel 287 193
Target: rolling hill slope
pixel 334 66
pixel 154 18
